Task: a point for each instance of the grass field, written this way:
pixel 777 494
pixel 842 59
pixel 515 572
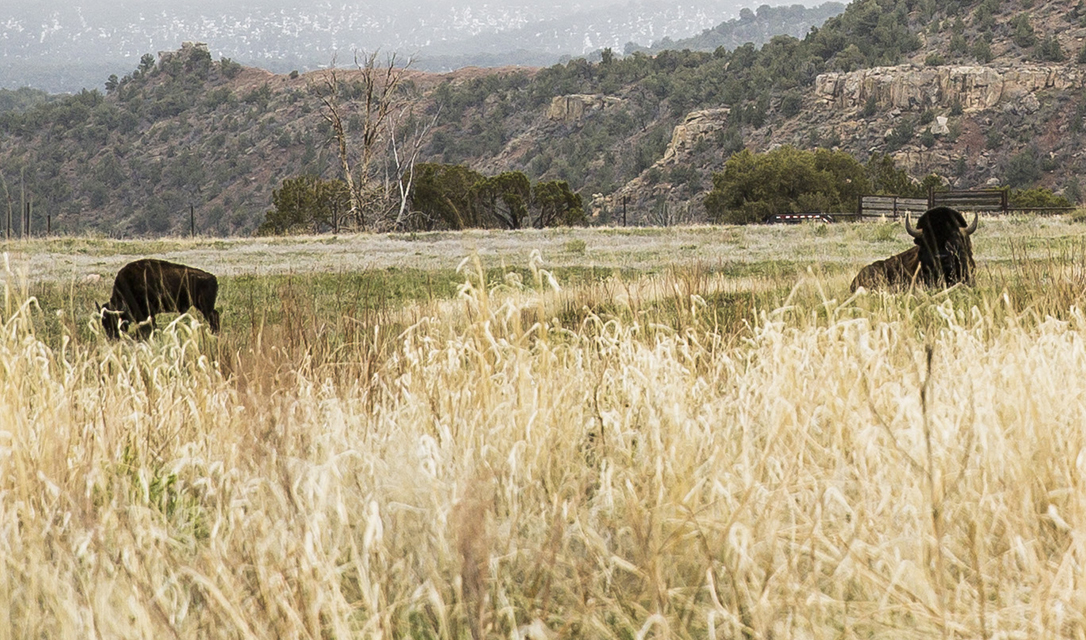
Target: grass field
pixel 599 433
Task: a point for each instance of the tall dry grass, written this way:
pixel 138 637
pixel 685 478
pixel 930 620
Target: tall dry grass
pixel 881 466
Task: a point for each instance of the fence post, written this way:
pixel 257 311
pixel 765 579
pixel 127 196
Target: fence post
pixel 192 222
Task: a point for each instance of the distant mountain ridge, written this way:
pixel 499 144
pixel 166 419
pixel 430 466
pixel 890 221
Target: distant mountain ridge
pixel 64 48
pixel 755 27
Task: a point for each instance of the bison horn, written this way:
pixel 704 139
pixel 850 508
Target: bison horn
pixel 910 229
pixel 972 225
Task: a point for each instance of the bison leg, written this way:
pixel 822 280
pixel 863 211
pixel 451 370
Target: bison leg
pixel 205 302
pixel 145 328
pixel 213 320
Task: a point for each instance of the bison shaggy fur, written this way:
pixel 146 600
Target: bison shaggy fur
pixel 147 287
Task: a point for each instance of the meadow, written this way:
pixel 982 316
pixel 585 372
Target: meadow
pixel 593 433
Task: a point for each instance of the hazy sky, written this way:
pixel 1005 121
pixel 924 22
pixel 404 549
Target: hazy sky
pixel 109 36
pixel 29 23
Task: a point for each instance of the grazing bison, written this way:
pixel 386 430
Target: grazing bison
pixel 943 255
pixel 146 287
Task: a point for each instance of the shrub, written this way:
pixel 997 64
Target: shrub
pixel 754 186
pixel 576 247
pixel 1023 35
pixel 1023 169
pixel 982 51
pixel 1049 50
pixel 1037 198
pixel 229 68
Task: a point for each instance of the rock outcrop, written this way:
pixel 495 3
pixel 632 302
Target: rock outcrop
pixel 575 107
pixel 973 87
pixel 696 125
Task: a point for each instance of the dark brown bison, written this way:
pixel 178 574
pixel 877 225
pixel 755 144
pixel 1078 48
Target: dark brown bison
pixel 146 287
pixel 943 255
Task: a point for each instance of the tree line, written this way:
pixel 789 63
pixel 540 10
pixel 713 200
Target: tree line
pixel 437 196
pixel 753 186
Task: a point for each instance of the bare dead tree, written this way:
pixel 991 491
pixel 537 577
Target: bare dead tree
pixel 378 96
pixel 405 153
pixel 328 93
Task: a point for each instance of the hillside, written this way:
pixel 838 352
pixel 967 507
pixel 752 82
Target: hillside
pixel 67 47
pixel 976 92
pixel 178 132
pixel 757 27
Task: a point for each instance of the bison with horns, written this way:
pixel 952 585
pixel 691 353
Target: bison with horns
pixel 146 287
pixel 943 255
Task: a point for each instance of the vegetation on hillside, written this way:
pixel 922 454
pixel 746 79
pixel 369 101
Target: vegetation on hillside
pixel 20 100
pixel 482 115
pixel 756 26
pixel 439 197
pixel 186 131
pixel 767 90
pixel 177 132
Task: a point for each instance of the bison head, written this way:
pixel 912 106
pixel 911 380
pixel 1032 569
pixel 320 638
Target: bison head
pixel 946 254
pixel 111 321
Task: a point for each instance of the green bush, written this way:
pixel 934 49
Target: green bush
pixel 1023 169
pixel 786 180
pixel 1036 198
pixel 982 51
pixel 1023 34
pixel 1049 50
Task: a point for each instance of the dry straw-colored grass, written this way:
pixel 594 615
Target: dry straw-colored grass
pixel 906 465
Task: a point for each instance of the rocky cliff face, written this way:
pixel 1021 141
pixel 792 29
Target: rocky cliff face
pixel 908 87
pixel 696 125
pixel 574 107
pixel 647 196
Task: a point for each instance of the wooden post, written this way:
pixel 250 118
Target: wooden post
pixel 26 221
pixel 192 222
pixel 624 210
pixel 48 223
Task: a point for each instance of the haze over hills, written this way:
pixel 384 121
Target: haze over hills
pixel 63 47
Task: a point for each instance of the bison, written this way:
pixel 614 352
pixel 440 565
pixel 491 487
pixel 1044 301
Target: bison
pixel 943 255
pixel 146 287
